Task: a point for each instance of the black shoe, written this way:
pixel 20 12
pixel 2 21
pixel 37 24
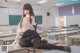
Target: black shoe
pixel 67 48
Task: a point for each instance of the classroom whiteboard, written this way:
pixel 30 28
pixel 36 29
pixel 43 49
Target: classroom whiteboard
pixel 4 16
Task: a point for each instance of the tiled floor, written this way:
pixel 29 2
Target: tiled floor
pixel 75 49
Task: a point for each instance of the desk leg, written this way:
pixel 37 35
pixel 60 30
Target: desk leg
pixel 4 42
pixel 28 50
pixel 34 50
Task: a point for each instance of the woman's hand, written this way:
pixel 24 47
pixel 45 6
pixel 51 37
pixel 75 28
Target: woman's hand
pixel 31 26
pixel 16 42
pixel 17 38
pixel 19 31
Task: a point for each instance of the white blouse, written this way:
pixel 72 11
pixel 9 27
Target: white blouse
pixel 26 24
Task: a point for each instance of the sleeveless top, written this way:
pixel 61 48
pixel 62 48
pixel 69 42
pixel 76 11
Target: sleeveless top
pixel 24 24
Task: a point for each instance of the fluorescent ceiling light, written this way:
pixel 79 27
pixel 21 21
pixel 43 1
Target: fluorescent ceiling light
pixel 17 0
pixel 42 1
pixel 72 10
pixel 67 3
pixel 59 4
pixel 74 0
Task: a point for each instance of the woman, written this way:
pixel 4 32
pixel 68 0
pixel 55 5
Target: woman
pixel 30 37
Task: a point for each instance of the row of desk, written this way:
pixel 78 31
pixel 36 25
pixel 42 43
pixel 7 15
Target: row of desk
pixel 11 36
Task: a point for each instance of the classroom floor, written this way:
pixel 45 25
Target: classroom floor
pixel 75 49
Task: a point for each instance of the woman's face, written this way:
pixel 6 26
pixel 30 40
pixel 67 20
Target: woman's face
pixel 26 11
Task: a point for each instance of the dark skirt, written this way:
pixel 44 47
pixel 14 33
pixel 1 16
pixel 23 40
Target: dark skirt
pixel 27 37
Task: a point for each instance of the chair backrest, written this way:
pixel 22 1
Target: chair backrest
pixel 71 25
pixel 76 25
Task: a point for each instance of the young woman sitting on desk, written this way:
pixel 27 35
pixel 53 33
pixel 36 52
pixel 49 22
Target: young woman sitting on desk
pixel 30 37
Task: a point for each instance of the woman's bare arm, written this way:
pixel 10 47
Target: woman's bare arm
pixel 18 32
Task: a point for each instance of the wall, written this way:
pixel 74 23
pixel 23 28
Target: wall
pixel 71 20
pixel 72 13
pixel 8 27
pixel 4 16
pixel 47 20
pixel 65 10
pixel 69 10
pixel 11 11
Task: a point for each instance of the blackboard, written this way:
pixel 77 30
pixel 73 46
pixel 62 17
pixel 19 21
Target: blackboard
pixel 38 19
pixel 14 19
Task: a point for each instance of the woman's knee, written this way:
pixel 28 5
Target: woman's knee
pixel 37 46
pixel 36 42
pixel 22 44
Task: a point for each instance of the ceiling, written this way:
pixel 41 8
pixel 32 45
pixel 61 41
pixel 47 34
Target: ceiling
pixel 47 5
pixel 12 3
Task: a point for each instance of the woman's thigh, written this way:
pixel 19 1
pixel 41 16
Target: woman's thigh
pixel 36 42
pixel 25 43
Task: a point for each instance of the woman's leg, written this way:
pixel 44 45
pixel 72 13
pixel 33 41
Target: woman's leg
pixel 35 34
pixel 25 43
pixel 36 43
pixel 26 39
pixel 27 34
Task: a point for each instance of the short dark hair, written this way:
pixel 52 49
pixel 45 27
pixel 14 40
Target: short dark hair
pixel 27 6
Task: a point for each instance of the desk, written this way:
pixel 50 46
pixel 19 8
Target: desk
pixel 7 34
pixel 74 48
pixel 15 48
pixel 7 37
pixel 75 39
pixel 49 32
pixel 75 36
pixel 62 32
